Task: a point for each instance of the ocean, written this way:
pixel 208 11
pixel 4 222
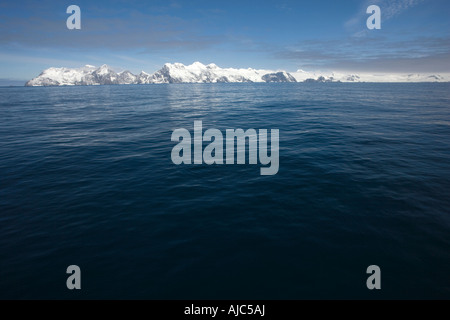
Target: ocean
pixel 87 179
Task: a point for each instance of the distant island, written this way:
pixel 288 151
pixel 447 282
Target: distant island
pixel 200 73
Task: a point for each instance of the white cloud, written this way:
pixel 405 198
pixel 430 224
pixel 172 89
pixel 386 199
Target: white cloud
pixel 389 9
pixel 393 8
pixel 5 57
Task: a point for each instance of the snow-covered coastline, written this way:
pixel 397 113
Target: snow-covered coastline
pixel 211 73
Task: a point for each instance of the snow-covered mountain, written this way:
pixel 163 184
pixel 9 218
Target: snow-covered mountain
pixel 211 73
pixel 169 73
pixel 305 76
pixel 64 76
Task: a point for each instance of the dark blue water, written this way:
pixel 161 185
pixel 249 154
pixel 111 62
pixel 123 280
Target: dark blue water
pixel 86 178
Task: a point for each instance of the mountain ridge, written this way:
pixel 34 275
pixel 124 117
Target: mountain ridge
pixel 211 73
pixel 169 73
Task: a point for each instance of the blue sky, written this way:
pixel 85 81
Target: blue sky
pixel 143 35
